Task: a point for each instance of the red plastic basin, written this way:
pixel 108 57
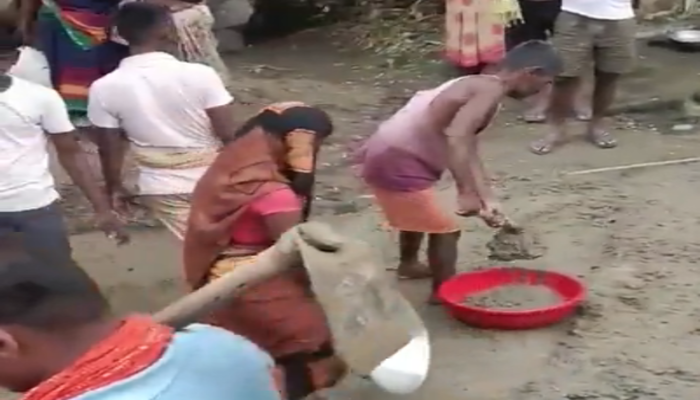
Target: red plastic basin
pixel 453 292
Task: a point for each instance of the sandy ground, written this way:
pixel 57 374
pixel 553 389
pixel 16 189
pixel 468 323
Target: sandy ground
pixel 630 236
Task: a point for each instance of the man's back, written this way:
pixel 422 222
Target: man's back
pixel 202 362
pixel 161 104
pixel 419 126
pixel 27 112
pixel 159 101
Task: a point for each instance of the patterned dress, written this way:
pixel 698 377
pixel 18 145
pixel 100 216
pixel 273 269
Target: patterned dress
pixel 195 41
pixel 474 34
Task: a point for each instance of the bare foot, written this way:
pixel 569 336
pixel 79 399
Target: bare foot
pixel 413 270
pixel 547 144
pixel 601 138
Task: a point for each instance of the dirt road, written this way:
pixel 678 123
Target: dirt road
pixel 631 236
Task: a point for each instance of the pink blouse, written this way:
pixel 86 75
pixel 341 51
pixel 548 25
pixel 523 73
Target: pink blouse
pixel 250 229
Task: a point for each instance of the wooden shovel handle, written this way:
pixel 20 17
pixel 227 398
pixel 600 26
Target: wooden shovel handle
pixel 283 255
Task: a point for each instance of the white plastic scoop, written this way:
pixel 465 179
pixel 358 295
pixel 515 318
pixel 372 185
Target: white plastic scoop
pixel 407 369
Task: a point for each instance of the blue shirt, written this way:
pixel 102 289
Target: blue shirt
pixel 201 363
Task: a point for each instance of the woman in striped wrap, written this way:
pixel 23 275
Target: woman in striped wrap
pixel 257 188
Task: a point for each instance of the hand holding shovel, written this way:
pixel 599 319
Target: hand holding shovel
pixel 493 216
pixel 280 257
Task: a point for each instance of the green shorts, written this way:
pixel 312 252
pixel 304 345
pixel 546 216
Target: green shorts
pixel 608 44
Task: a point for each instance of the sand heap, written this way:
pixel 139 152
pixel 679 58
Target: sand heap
pixel 509 244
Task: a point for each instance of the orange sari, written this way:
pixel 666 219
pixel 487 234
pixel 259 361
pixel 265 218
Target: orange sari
pixel 279 314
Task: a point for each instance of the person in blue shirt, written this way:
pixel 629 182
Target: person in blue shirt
pixel 59 341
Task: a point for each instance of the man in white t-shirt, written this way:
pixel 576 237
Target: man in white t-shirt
pixel 29 113
pixel 175 114
pixel 598 32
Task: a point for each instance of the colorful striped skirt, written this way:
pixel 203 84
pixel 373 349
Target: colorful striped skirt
pixel 73 67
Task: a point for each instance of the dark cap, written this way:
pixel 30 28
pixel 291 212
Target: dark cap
pixel 36 292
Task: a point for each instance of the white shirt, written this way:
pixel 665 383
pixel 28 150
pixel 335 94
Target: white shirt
pixel 27 112
pixel 600 9
pixel 160 102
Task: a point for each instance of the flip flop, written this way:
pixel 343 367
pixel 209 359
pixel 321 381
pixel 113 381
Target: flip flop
pixel 583 116
pixel 602 139
pixel 534 117
pixel 544 146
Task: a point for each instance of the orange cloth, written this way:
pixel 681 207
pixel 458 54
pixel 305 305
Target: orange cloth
pixel 244 170
pixel 279 314
pixel 416 211
pixel 135 346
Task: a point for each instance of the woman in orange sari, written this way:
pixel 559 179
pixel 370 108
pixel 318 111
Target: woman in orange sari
pixel 247 198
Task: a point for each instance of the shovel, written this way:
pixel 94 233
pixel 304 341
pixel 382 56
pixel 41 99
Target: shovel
pixel 402 373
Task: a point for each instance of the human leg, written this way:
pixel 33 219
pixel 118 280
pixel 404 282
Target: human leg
pixel 575 44
pixel 414 214
pixel 304 374
pixel 43 232
pixel 281 317
pixel 538 104
pixel 409 265
pixel 442 259
pixel 614 55
pixel 172 210
pixel 561 101
pixel 582 103
pixel 603 95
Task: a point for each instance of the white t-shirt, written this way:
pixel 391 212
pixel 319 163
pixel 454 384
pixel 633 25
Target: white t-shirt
pixel 27 112
pixel 161 103
pixel 600 9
